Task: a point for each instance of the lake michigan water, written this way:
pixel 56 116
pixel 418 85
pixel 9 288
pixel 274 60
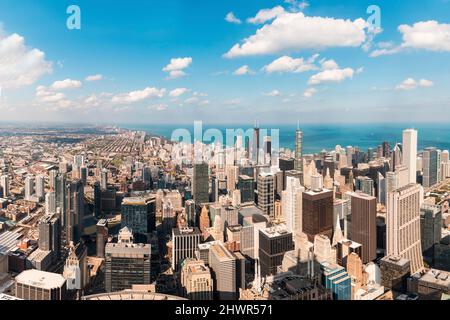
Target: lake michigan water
pixel 326 136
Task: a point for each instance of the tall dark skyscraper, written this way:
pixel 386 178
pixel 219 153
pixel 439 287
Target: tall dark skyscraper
pixel 97 200
pixel 61 198
pixel 430 167
pixel 298 162
pixel 246 186
pixel 50 235
pixel 200 183
pixel 139 215
pixel 274 242
pixel 364 224
pixel 75 211
pixel 318 213
pixel 256 143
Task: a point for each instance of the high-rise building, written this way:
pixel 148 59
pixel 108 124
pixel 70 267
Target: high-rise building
pixel 184 243
pixel 52 176
pixel 266 193
pixel 50 202
pixel 430 226
pixel 40 285
pixel 336 278
pixel 365 184
pixel 50 235
pixel 126 263
pixel 29 187
pixel 292 205
pixel 227 272
pixel 40 186
pixel 298 159
pixel 4 183
pixel 403 224
pixel 200 183
pixel 364 224
pixel 196 280
pixel 246 186
pixel 104 179
pixel 430 164
pixel 274 242
pixel 75 211
pixel 317 213
pixel 76 270
pixel 102 237
pixel 410 153
pixel 138 214
pixel 232 173
pixel 256 144
pixel 61 198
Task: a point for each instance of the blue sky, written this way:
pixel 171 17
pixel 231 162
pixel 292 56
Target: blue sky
pixel 332 67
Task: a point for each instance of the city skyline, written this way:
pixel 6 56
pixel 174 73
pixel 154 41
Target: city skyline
pixel 175 60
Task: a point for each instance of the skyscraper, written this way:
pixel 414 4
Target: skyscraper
pixel 245 185
pixel 4 183
pixel 364 224
pixel 50 202
pixel 255 144
pixel 274 242
pixel 138 214
pixel 430 167
pixel 410 153
pixel 185 242
pixel 266 193
pixel 196 280
pixel 75 211
pixel 292 205
pixel 29 187
pixel 317 213
pixel 200 183
pixel 50 235
pixel 61 198
pixel 40 186
pixel 403 224
pixel 298 159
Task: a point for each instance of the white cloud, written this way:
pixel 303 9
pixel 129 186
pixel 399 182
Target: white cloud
pixel 289 64
pixel 273 93
pixel 20 65
pixel 309 92
pixel 176 66
pixel 331 75
pixel 158 107
pixel 175 93
pixel 295 31
pixel 231 18
pixel 329 64
pixel 411 84
pixel 297 5
pixel 139 95
pixel 244 70
pixel 265 15
pixel 66 84
pixel 196 101
pixel 95 77
pixel 424 35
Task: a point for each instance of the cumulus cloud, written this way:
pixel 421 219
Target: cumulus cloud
pixel 289 64
pixel 295 31
pixel 265 15
pixel 51 99
pixel 331 75
pixel 176 66
pixel 424 35
pixel 95 77
pixel 20 65
pixel 242 71
pixel 411 84
pixel 138 95
pixel 66 84
pixel 273 93
pixel 231 18
pixel 309 92
pixel 175 93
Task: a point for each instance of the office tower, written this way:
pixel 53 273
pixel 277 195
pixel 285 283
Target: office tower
pixel 386 149
pixel 402 173
pixel 255 144
pixel 349 154
pixel 40 285
pixel 138 214
pixel 52 176
pixel 50 202
pixel 104 179
pixel 322 249
pixel 317 213
pixel 266 193
pixel 274 242
pixel 225 270
pixel 40 186
pixel 246 186
pixel 292 205
pixel 204 219
pixel 445 165
pixel 196 280
pixel 430 226
pixel 365 184
pixel 189 209
pixel 76 270
pixel 364 224
pixel 214 189
pixel 267 144
pixel 336 279
pixel 29 187
pixel 184 243
pixel 61 197
pixel 50 235
pixel 75 211
pixel 410 153
pixel 316 182
pixel 346 247
pixel 126 263
pixel 395 271
pixel 83 174
pixel 200 183
pixel 403 225
pixel 232 173
pixel 430 167
pixel 298 160
pixel 396 157
pixel 381 182
pixel 4 183
pixel 101 237
pixel 97 200
pixel 293 173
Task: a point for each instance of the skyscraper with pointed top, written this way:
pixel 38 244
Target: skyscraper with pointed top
pixel 298 163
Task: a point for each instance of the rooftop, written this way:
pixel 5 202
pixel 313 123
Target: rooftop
pixel 41 279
